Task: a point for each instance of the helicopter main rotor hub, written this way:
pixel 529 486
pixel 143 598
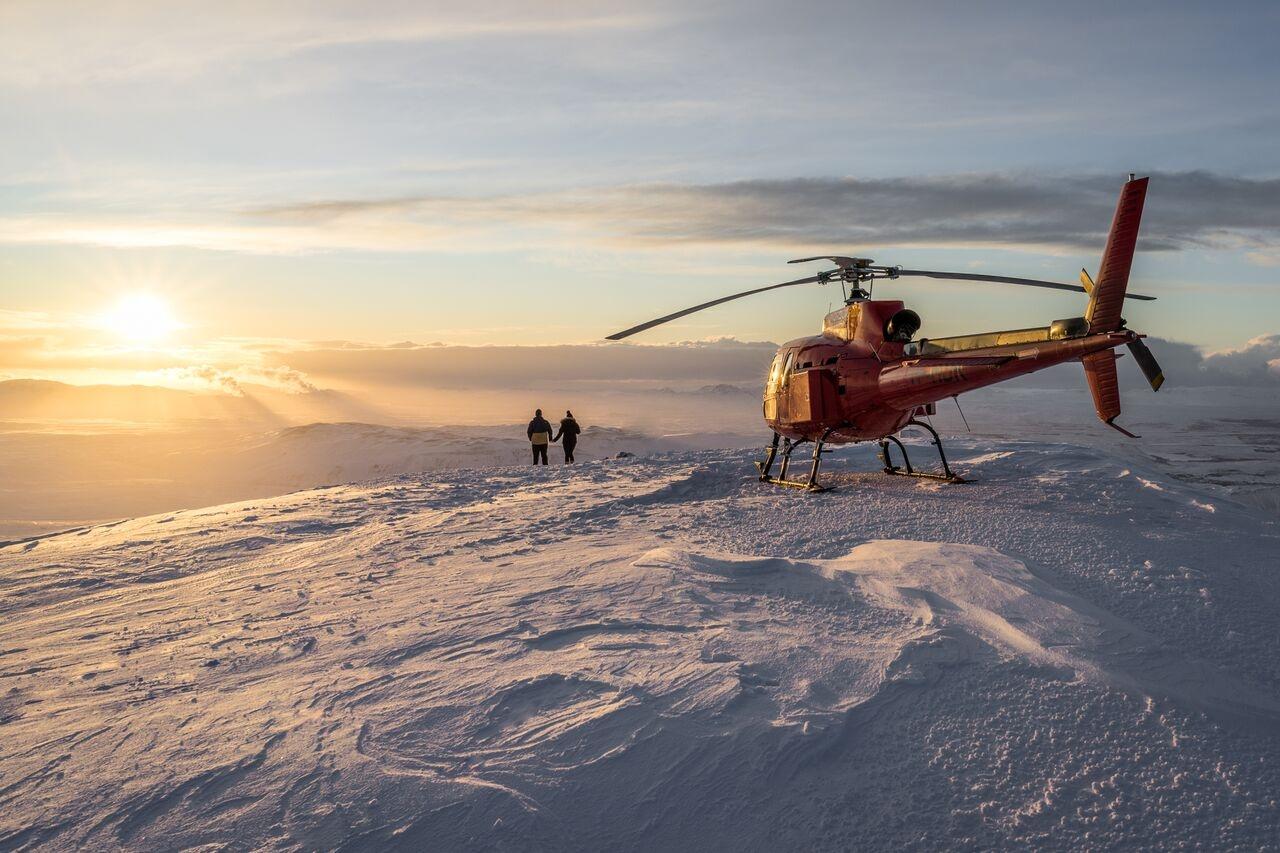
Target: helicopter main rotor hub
pixel 855 271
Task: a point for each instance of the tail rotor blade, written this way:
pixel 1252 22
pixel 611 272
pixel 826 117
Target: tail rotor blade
pixel 1147 361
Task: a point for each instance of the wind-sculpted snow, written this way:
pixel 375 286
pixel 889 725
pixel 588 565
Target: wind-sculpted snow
pixel 654 654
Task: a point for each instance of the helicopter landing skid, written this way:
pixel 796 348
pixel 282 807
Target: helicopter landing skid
pixel 811 484
pixel 905 470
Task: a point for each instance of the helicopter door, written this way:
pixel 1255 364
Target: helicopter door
pixel 813 397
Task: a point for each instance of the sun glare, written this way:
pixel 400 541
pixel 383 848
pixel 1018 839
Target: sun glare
pixel 141 318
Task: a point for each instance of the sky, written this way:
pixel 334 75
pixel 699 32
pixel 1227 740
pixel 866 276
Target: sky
pixel 194 194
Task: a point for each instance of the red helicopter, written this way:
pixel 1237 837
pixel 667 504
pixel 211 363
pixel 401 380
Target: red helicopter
pixel 867 377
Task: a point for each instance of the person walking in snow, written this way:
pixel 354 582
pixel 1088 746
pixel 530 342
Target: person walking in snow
pixel 539 436
pixel 569 430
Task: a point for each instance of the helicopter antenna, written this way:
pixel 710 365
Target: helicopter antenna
pixel 956 397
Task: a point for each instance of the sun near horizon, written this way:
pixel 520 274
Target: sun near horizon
pixel 141 319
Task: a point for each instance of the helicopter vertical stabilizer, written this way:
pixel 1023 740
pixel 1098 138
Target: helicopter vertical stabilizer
pixel 1106 297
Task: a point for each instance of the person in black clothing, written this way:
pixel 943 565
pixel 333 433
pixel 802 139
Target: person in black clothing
pixel 569 430
pixel 539 436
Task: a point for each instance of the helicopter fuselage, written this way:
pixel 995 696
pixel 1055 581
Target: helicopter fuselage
pixel 863 378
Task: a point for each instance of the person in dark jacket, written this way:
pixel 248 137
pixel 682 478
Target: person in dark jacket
pixel 539 437
pixel 569 430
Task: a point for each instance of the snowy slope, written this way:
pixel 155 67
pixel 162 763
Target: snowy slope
pixel 655 654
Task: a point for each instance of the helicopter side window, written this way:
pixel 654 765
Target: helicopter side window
pixel 786 370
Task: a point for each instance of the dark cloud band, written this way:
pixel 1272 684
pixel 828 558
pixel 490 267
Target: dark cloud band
pixel 1184 210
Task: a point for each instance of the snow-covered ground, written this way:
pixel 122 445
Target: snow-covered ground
pixel 1077 650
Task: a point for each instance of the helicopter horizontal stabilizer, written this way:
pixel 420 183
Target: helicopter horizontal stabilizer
pixel 1085 281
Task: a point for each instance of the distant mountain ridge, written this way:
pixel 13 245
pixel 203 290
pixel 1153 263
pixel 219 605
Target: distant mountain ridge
pixel 259 406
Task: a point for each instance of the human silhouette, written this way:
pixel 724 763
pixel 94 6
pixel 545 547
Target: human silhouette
pixel 539 436
pixel 569 430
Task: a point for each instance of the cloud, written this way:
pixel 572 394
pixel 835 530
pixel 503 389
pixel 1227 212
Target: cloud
pixel 44 345
pixel 306 369
pixel 1255 364
pixel 11 321
pixel 1058 213
pixel 67 43
pixel 1258 361
pixel 1189 209
pixel 692 364
pixel 231 381
pixel 202 378
pixel 1269 257
pixel 15 349
pixel 1184 210
pixel 58 354
pixel 438 366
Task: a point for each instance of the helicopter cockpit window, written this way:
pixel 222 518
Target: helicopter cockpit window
pixel 775 371
pixel 786 369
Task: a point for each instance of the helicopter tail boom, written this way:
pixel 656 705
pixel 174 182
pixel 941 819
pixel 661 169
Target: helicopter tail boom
pixel 917 381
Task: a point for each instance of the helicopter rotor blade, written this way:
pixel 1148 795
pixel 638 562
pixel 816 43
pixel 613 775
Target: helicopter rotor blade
pixel 1004 279
pixel 1150 367
pixel 626 333
pixel 842 261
